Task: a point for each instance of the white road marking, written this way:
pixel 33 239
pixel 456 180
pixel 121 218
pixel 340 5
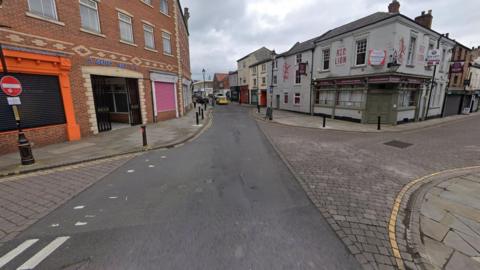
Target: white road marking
pixel 163 157
pixel 130 171
pixel 126 198
pixel 147 160
pixel 79 223
pixel 151 166
pixel 44 253
pixel 55 225
pixel 15 252
pixel 79 207
pixel 89 216
pixel 113 197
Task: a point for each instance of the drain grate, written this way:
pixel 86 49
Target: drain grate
pixel 399 144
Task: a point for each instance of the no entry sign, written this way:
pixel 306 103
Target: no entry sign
pixel 11 86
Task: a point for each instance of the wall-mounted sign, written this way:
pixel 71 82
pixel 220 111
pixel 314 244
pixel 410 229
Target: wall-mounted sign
pixel 341 57
pixel 11 86
pixel 433 57
pixel 302 68
pixel 286 68
pixel 456 67
pixel 377 57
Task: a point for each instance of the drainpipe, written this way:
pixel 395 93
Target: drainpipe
pixel 311 82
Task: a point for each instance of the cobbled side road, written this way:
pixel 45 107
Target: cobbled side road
pixel 27 198
pixel 353 178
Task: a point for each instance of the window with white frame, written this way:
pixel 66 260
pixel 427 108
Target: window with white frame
pixel 254 70
pixel 298 77
pixel 439 95
pixel 44 8
pixel 149 37
pixel 264 80
pixel 264 67
pixel 285 98
pixel 326 59
pixel 361 52
pixel 126 29
pixel 274 79
pixel 406 98
pixel 167 43
pixel 299 58
pixel 164 6
pixel 442 64
pixel 89 15
pixel 297 99
pixel 275 64
pixel 254 82
pixel 148 2
pixel 326 97
pixel 411 50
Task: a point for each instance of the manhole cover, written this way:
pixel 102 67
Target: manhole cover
pixel 399 144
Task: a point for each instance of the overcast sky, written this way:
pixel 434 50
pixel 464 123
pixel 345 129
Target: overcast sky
pixel 222 31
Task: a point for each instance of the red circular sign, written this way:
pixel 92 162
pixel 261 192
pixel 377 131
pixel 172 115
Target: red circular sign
pixel 11 86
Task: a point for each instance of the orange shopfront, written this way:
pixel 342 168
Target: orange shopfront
pixel 47 111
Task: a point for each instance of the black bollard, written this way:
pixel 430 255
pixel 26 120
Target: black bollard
pixel 196 117
pixel 379 127
pixel 195 105
pixel 199 108
pixel 202 115
pixel 205 106
pixel 144 135
pixel 324 121
pixel 258 108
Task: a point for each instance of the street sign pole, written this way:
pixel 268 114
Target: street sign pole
pixel 24 145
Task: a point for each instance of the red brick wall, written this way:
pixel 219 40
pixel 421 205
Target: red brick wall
pixel 37 136
pixel 79 46
pixel 162 116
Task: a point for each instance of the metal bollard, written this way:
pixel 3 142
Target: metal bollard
pixel 324 121
pixel 258 108
pixel 144 135
pixel 205 106
pixel 379 127
pixel 195 105
pixel 196 117
pixel 199 108
pixel 202 115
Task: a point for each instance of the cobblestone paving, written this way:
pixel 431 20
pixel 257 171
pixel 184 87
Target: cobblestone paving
pixel 26 198
pixel 354 178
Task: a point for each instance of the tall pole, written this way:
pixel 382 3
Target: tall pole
pixel 271 85
pixel 204 90
pixel 433 81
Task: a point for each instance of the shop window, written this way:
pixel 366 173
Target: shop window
pixel 285 98
pixel 89 15
pixel 126 30
pixel 149 38
pixel 44 8
pixel 361 49
pixel 42 104
pixel 326 59
pixel 406 99
pixel 164 6
pixel 297 99
pixel 167 43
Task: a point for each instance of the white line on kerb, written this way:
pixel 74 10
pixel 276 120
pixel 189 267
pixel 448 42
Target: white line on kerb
pixel 44 253
pixel 15 252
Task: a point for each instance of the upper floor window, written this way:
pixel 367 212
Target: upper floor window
pixel 264 67
pixel 361 55
pixel 44 8
pixel 254 70
pixel 149 38
pixel 244 65
pixel 411 50
pixel 254 82
pixel 89 15
pixel 274 79
pixel 167 43
pixel 148 2
pixel 326 59
pixel 442 64
pixel 275 64
pixel 299 58
pixel 126 30
pixel 264 80
pixel 164 6
pixel 298 77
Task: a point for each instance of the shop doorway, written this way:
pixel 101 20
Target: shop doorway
pixel 379 104
pixel 117 102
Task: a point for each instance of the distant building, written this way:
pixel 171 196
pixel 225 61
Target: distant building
pixel 260 74
pixel 203 88
pixel 234 88
pixel 221 83
pixel 247 94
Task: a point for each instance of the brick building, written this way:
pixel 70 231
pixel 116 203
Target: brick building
pixel 221 83
pixel 92 66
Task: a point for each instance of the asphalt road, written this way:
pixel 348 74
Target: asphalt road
pixel 224 201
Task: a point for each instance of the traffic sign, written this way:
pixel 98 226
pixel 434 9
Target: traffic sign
pixel 11 86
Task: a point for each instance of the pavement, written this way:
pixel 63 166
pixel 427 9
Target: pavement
pixel 223 201
pixel 305 120
pixel 445 221
pixel 354 178
pixel 107 144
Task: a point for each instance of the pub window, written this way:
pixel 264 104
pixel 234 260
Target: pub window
pixel 442 64
pixel 126 30
pixel 285 98
pixel 298 77
pixel 149 38
pixel 411 50
pixel 167 44
pixel 361 49
pixel 44 8
pixel 89 15
pixel 297 99
pixel 299 58
pixel 164 6
pixel 326 59
pixel 264 67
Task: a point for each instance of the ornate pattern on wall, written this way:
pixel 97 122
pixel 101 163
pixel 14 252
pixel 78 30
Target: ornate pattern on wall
pixel 14 38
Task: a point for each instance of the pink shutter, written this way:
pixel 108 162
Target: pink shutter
pixel 165 96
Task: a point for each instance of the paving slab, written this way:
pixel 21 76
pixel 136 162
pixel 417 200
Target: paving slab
pixel 460 262
pixel 433 229
pixel 437 252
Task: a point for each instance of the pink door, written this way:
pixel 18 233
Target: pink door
pixel 165 97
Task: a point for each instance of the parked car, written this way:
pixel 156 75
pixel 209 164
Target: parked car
pixel 222 100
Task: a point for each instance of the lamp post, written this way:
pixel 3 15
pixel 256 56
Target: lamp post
pixel 271 86
pixel 433 81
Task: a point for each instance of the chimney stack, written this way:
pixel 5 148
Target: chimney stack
pixel 394 7
pixel 186 15
pixel 425 19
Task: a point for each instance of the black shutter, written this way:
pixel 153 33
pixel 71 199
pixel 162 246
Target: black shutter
pixel 42 103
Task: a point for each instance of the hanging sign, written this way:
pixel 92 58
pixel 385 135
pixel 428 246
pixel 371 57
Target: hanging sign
pixel 302 68
pixel 433 57
pixel 11 86
pixel 377 57
pixel 456 67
